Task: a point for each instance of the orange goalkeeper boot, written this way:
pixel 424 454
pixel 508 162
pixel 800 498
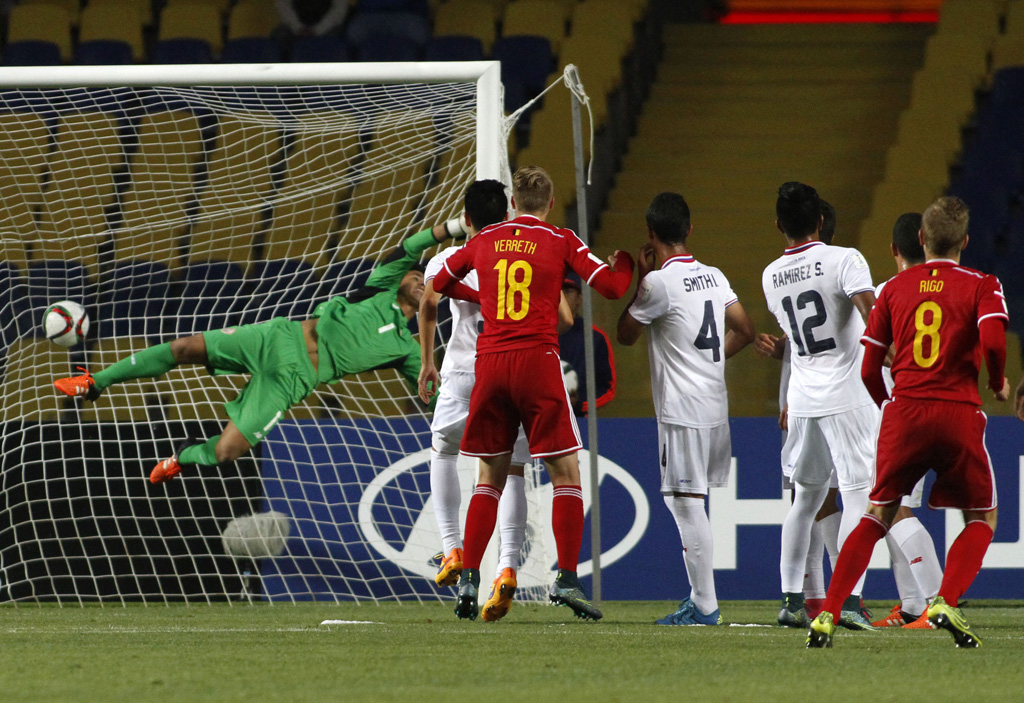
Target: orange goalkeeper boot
pixel 895 618
pixel 165 470
pixel 450 569
pixel 503 590
pixel 921 623
pixel 78 386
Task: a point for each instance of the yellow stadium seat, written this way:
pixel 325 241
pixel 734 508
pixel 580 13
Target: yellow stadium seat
pixel 252 18
pixel 190 393
pixel 32 367
pixel 73 7
pixel 381 207
pixel 143 8
pixel 116 22
pixel 73 220
pixel 972 17
pixel 473 18
pixel 221 6
pixel 41 22
pixel 605 22
pixel 232 203
pixel 161 188
pixel 1008 51
pixel 122 402
pixel 192 20
pixel 542 18
pixel 1014 19
pixel 23 148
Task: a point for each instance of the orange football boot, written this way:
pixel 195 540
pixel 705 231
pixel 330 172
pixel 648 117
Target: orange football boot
pixel 893 619
pixel 78 386
pixel 165 470
pixel 503 590
pixel 450 569
pixel 921 623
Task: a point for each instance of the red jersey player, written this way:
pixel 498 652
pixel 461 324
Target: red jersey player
pixel 521 264
pixel 943 319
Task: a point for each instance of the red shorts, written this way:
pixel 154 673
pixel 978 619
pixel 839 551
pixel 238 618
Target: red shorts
pixel 917 435
pixel 522 386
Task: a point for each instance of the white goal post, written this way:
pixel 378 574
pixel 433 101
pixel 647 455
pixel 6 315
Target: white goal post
pixel 174 199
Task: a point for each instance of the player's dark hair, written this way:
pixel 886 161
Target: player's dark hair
pixel 668 216
pixel 798 209
pixel 944 226
pixel 904 236
pixel 828 222
pixel 486 203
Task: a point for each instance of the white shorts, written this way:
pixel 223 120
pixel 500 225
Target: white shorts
pixel 789 448
pixel 694 459
pixel 450 413
pixel 913 501
pixel 843 443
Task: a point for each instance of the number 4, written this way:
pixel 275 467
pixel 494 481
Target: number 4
pixel 707 337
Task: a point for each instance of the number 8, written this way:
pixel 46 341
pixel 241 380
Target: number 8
pixel 931 331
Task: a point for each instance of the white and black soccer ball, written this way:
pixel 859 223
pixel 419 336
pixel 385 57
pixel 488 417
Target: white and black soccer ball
pixel 65 323
pixel 256 536
pixel 570 378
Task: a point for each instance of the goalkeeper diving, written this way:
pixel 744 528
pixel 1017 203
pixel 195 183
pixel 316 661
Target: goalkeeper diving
pixel 287 359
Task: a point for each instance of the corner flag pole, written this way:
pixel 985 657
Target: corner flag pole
pixel 576 88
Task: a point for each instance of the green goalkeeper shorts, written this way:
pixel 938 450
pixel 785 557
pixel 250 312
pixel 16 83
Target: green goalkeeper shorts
pixel 275 354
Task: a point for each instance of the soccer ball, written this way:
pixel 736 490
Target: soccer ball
pixel 256 536
pixel 65 323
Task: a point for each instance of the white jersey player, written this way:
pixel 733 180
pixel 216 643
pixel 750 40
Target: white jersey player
pixel 485 204
pixel 695 323
pixel 821 296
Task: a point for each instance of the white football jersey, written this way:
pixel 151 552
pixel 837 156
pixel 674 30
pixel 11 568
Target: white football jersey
pixel 886 371
pixel 683 304
pixel 809 290
pixel 460 353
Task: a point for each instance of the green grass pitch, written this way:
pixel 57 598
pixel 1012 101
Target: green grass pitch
pixel 416 653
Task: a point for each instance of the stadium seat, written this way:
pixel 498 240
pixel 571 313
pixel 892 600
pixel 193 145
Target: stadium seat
pixel 414 28
pixel 31 53
pixel 454 48
pixel 221 6
pixel 526 63
pixel 32 366
pixel 102 52
pixel 474 18
pixel 182 51
pixel 209 298
pixel 387 48
pixel 38 22
pixel 342 277
pixel 324 49
pixel 122 402
pixel 113 22
pixel 73 7
pixel 969 17
pixel 52 280
pixel 15 314
pixel 135 300
pixel 236 196
pixel 251 50
pixel 418 6
pixel 281 288
pixel 190 393
pixel 23 157
pixel 154 208
pixel 192 21
pixel 143 8
pixel 252 19
pixel 544 18
pixel 81 187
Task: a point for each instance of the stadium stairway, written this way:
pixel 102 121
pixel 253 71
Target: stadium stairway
pixel 735 111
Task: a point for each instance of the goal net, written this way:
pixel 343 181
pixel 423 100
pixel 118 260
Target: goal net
pixel 168 209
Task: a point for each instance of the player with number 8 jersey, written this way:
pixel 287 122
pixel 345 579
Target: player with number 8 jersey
pixel 520 266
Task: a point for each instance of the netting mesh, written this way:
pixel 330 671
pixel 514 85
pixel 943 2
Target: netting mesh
pixel 171 211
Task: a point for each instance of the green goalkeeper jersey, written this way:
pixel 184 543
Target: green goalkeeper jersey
pixel 372 333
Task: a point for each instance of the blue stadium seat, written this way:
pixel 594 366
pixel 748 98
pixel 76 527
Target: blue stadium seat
pixel 103 52
pixel 170 51
pixel 342 278
pixel 208 298
pixel 418 6
pixel 135 301
pixel 15 314
pixel 31 53
pixel 251 50
pixel 413 27
pixel 282 288
pixel 526 63
pixel 53 280
pixel 387 48
pixel 454 48
pixel 324 49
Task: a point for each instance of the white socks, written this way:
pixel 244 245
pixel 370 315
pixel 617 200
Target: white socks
pixel 796 535
pixel 446 496
pixel 829 527
pixel 695 535
pixel 919 550
pixel 512 522
pixel 855 504
pixel 814 573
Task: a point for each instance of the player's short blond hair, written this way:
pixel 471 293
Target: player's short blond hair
pixel 532 189
pixel 944 225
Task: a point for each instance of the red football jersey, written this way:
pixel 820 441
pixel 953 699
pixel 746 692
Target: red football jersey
pixel 521 264
pixel 931 312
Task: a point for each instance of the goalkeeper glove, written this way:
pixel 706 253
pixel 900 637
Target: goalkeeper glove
pixel 456 228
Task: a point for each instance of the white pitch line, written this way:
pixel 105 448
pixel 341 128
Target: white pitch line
pixel 350 622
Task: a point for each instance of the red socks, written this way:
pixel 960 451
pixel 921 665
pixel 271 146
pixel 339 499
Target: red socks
pixel 480 520
pixel 853 560
pixel 567 524
pixel 963 562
